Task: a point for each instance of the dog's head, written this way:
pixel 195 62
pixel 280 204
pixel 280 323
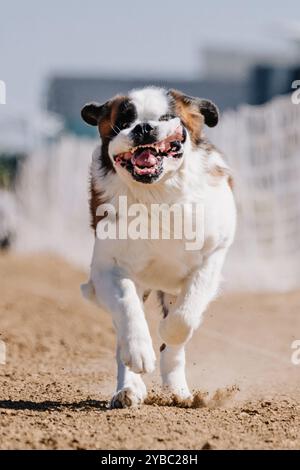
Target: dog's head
pixel 145 134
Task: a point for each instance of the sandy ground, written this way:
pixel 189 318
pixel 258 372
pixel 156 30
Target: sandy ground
pixel 59 374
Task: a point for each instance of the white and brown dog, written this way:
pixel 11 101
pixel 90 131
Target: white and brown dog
pixel 154 151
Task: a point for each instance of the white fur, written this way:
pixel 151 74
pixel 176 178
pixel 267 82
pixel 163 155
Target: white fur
pixel 122 270
pixel 150 103
pixel 172 367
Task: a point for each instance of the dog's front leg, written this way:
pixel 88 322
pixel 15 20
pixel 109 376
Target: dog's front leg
pixel 117 293
pixel 186 313
pixel 130 390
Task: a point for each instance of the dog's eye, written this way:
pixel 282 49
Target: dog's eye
pixel 167 117
pixel 124 125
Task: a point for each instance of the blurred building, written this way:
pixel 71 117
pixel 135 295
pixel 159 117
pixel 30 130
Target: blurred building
pixel 264 75
pixel 230 78
pixel 236 64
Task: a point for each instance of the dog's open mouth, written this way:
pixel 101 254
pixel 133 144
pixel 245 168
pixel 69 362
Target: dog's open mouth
pixel 145 162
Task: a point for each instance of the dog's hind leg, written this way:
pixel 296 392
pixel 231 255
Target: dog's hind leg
pixel 182 315
pixel 172 369
pixel 199 289
pixel 131 390
pixel 172 358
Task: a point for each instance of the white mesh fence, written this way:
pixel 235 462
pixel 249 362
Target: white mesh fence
pixel 262 145
pixel 52 198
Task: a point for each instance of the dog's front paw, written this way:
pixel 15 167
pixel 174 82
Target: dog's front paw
pixel 129 396
pixel 175 329
pixel 137 353
pixel 179 393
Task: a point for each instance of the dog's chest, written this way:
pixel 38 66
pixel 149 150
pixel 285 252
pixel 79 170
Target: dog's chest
pixel 159 254
pixel 159 264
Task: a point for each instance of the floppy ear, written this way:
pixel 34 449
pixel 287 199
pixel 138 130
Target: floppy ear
pixel 209 111
pixel 93 112
pixel 207 108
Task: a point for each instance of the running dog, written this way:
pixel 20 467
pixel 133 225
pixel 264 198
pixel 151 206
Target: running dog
pixel 153 150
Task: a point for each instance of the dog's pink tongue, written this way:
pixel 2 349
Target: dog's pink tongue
pixel 146 158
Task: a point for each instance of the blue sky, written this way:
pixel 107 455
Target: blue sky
pixel 153 38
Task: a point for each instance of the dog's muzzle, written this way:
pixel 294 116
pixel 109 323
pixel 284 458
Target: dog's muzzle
pixel 145 160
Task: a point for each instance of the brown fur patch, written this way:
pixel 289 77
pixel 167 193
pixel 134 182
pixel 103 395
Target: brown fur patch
pixel 96 199
pixel 230 181
pixel 161 299
pixel 106 125
pixel 218 172
pixel 190 115
pixel 106 129
pixel 207 146
pixel 146 295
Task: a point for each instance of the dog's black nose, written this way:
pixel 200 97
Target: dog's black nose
pixel 143 133
pixel 142 129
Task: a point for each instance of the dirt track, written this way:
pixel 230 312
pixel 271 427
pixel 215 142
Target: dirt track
pixel 60 371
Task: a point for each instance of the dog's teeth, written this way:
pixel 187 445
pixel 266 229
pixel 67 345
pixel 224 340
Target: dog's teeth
pixel 150 146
